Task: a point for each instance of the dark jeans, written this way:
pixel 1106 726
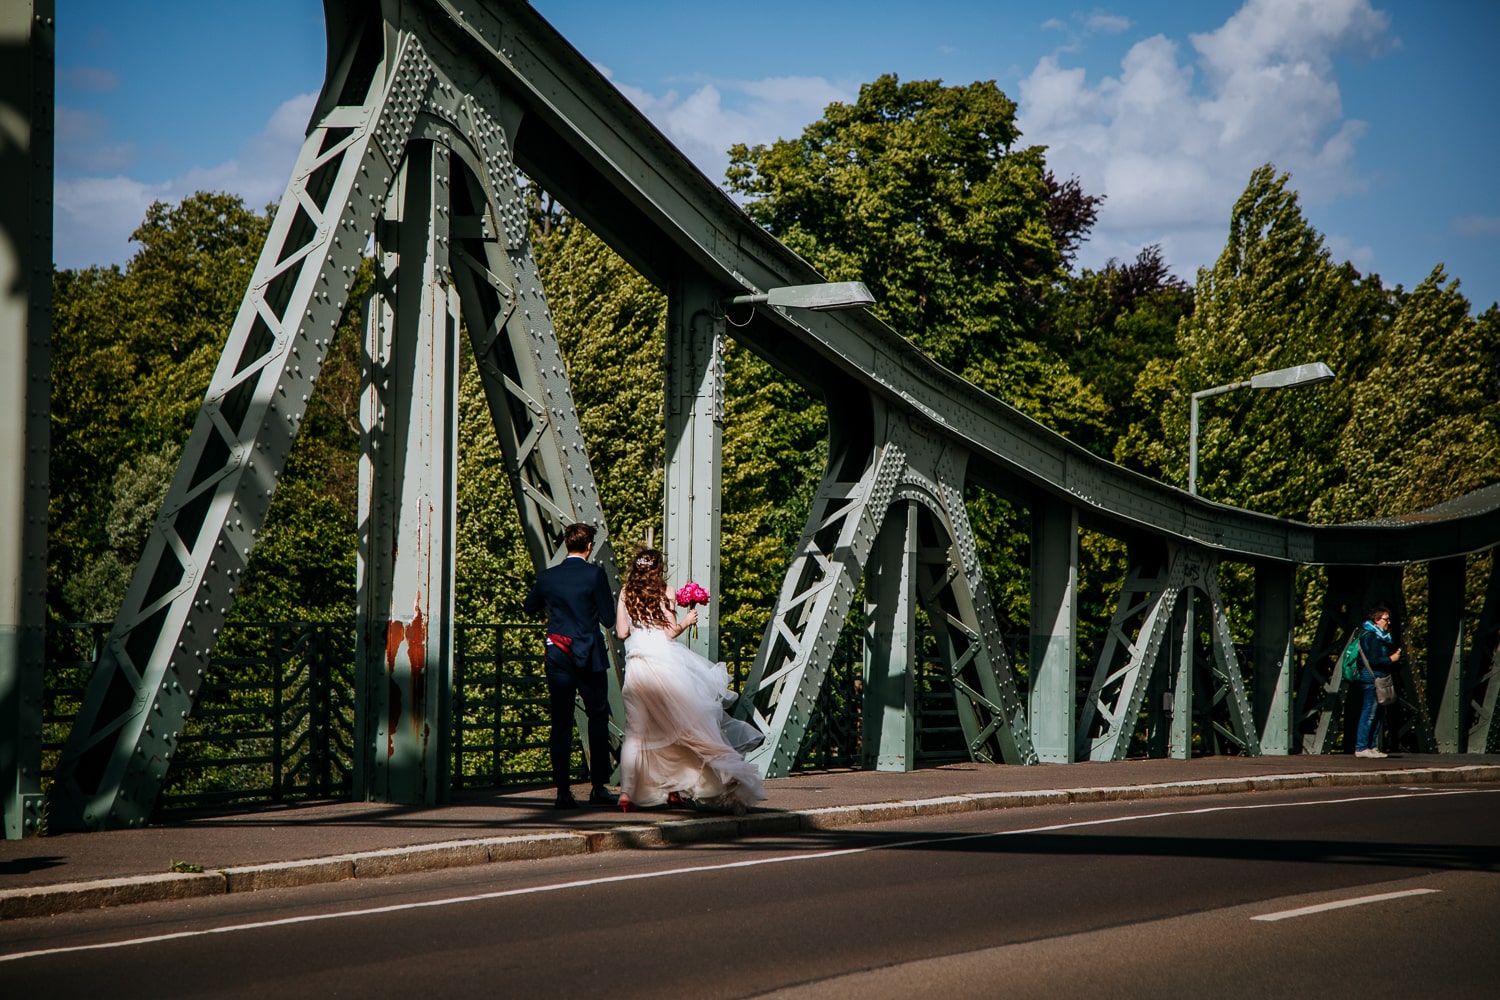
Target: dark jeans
pixel 1370 715
pixel 566 681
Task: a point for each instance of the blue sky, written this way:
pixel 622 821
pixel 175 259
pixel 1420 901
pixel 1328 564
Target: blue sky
pixel 1383 111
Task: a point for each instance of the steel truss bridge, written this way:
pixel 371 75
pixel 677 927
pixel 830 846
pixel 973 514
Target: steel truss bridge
pixel 428 112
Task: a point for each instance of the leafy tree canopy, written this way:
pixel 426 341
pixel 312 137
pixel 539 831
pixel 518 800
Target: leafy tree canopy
pixel 133 352
pixel 1109 324
pixel 1273 299
pixel 921 192
pixel 1424 421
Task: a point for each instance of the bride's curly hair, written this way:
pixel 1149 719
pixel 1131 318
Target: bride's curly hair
pixel 646 589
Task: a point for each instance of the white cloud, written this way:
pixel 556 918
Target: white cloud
pixel 718 114
pixel 260 173
pixel 1080 25
pixel 88 78
pixel 1477 225
pixel 1108 24
pixel 1171 142
pixel 81 142
pixel 93 216
pixel 1362 256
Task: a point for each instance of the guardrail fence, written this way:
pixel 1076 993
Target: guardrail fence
pixel 274 721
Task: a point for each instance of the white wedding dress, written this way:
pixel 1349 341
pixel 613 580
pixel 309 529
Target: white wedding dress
pixel 678 738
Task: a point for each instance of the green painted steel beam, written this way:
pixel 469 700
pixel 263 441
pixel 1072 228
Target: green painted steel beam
pixel 407 491
pixel 1447 685
pixel 27 52
pixel 889 713
pixel 1054 631
pixel 1273 657
pixel 693 485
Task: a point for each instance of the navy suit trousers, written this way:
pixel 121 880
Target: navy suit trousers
pixel 566 682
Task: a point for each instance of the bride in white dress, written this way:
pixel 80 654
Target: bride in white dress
pixel 679 742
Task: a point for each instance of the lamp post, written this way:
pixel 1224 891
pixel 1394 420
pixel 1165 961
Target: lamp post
pixel 1179 740
pixel 695 418
pixel 1283 378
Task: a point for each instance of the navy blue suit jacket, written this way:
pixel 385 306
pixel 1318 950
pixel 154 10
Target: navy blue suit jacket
pixel 576 595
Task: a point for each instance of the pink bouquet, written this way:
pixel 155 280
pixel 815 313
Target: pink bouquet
pixel 690 595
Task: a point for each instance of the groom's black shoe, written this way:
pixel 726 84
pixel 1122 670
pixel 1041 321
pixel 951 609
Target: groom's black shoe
pixel 601 796
pixel 565 800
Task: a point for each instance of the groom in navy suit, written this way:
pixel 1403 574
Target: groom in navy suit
pixel 576 595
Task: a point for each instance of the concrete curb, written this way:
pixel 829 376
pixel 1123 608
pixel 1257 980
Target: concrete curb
pixel 37 901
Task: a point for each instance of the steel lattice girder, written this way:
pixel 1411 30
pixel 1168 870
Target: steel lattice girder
pixel 1116 692
pixel 990 711
pixel 892 463
pixel 520 364
pixel 1157 595
pixel 1226 674
pixel 117 755
pixel 118 752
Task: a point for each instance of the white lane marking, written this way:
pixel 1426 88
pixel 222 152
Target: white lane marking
pixel 1339 904
pixel 695 869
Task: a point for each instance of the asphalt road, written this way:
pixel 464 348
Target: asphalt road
pixel 1114 899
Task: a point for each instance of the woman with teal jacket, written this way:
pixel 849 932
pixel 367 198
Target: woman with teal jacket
pixel 1378 651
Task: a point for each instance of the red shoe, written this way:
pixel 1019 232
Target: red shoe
pixel 673 799
pixel 626 805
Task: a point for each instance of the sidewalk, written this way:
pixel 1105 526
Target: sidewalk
pixel 285 846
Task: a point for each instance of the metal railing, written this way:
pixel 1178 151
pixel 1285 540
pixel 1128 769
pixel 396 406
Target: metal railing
pixel 274 719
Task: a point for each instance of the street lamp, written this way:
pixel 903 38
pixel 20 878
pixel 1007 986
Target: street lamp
pixel 821 297
pixel 1283 378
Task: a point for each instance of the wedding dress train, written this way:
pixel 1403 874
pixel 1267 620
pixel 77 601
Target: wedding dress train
pixel 678 738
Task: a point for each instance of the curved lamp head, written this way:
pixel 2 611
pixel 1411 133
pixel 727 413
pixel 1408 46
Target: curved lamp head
pixel 822 297
pixel 1287 378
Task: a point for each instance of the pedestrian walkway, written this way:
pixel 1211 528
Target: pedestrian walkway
pixel 323 842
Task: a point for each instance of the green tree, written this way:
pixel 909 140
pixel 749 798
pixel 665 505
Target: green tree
pixel 921 192
pixel 1109 324
pixel 1424 424
pixel 1273 299
pixel 1409 422
pixel 139 488
pixel 133 352
pixel 610 325
pixel 924 193
pixel 774 448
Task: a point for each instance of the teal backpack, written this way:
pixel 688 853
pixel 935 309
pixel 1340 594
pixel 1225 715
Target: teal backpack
pixel 1349 659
